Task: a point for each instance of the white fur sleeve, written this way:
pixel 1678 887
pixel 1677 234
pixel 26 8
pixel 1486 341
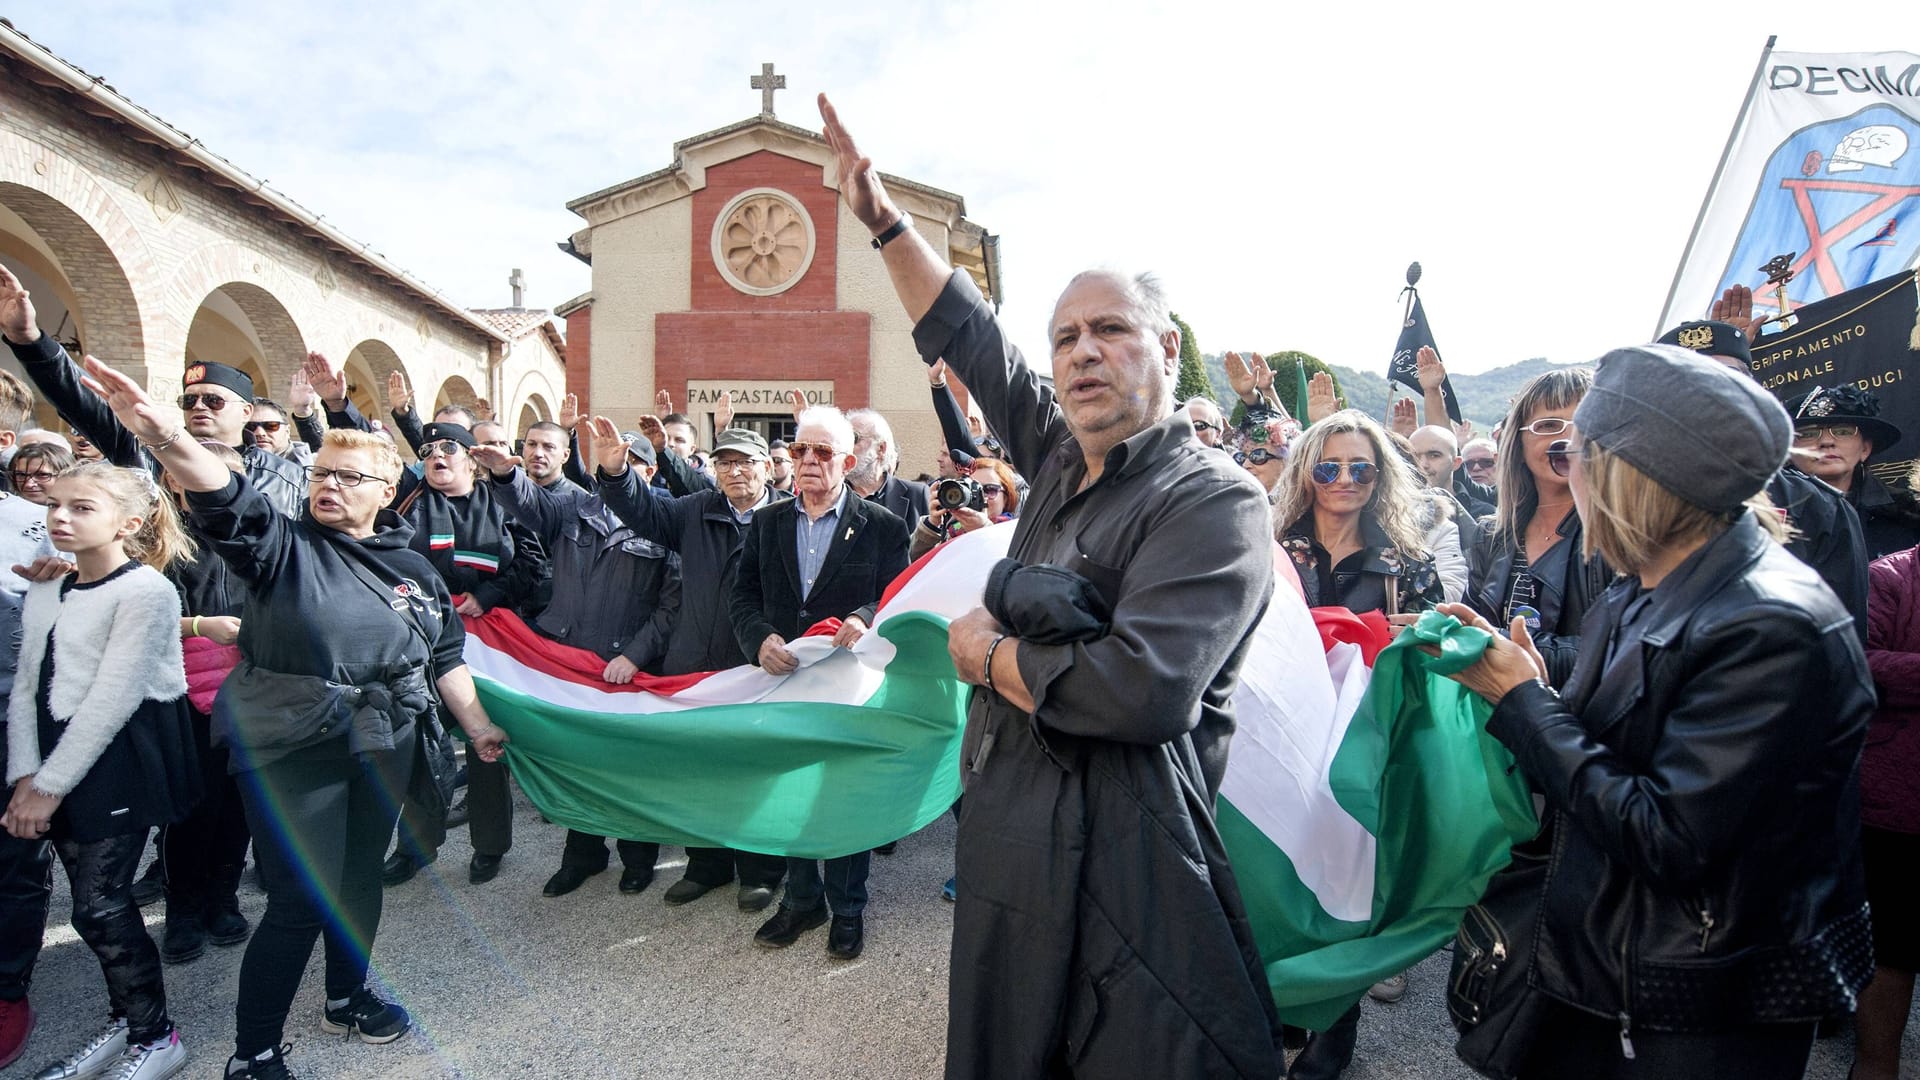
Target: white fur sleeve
pixel 23 721
pixel 145 635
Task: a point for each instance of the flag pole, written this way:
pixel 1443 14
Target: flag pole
pixel 1726 151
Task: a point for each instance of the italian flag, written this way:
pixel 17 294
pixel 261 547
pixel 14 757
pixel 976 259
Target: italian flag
pixel 1363 807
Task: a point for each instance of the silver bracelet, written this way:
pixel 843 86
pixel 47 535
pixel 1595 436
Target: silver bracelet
pixel 154 448
pixel 986 669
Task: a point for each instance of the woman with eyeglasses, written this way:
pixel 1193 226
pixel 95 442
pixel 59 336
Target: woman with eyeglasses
pixel 348 637
pixel 1530 562
pixel 33 468
pixel 1703 908
pixel 1354 524
pixel 1836 430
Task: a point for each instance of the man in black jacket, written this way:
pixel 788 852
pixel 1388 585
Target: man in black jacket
pixel 873 476
pixel 706 529
pixel 825 554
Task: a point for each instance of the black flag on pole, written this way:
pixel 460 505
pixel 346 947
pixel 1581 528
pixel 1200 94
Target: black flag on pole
pixel 1415 334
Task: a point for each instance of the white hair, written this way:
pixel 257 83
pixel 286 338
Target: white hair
pixel 835 421
pixel 882 433
pixel 1148 293
pixel 41 435
pixel 1204 402
pixel 1480 441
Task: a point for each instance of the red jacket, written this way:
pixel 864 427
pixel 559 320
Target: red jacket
pixel 1890 765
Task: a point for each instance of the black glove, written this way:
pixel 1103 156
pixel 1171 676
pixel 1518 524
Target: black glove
pixel 1046 604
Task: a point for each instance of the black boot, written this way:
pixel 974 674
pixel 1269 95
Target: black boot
pixel 225 924
pixel 186 933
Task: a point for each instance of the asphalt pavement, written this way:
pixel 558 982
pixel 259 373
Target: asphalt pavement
pixel 503 982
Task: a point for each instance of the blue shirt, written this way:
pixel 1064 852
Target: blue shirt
pixel 813 538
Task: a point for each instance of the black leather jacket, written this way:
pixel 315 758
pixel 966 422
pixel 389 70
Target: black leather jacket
pixel 1568 583
pixel 1705 870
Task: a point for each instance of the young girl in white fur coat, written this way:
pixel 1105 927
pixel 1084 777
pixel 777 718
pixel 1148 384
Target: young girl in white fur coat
pixel 99 742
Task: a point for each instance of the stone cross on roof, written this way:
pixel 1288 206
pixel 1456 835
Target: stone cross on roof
pixel 767 82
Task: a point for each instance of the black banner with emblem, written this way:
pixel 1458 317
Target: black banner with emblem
pixel 1869 337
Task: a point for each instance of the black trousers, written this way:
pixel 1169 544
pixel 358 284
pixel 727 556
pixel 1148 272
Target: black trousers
pixel 1574 1045
pixel 320 822
pixel 26 886
pixel 489 815
pixel 585 851
pixel 203 853
pixel 714 867
pixel 100 873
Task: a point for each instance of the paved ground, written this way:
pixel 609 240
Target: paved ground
pixel 506 983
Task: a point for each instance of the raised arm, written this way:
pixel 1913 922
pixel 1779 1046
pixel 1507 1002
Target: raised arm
pixel 953 419
pixel 406 420
pixel 331 386
pixel 57 378
pixel 545 512
pixel 653 516
pixel 918 272
pixel 306 418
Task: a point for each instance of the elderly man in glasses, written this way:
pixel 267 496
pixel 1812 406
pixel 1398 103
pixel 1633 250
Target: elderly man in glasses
pixel 1209 425
pixel 1098 931
pixel 825 554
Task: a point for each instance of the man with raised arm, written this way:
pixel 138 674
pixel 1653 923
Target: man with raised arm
pixel 1099 931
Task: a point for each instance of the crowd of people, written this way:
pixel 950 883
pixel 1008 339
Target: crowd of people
pixel 1703 658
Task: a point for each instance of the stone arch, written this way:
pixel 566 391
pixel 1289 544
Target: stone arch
pixel 98 289
pixel 367 366
pixel 456 390
pixel 242 324
pixel 532 411
pixel 254 289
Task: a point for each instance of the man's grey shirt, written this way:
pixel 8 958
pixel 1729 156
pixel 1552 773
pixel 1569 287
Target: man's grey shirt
pixel 1175 536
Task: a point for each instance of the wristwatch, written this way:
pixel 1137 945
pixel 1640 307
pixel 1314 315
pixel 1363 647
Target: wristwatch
pixel 899 226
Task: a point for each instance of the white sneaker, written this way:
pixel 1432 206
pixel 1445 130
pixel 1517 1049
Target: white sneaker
pixel 1389 990
pixel 92 1058
pixel 150 1061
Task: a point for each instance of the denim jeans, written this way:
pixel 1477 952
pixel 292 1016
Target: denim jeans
pixel 846 884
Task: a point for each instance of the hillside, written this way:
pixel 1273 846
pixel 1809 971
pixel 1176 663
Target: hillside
pixel 1483 397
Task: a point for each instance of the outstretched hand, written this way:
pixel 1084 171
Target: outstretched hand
pixel 859 184
pixel 1428 368
pixel 329 384
pixel 609 450
pixel 17 319
pixel 723 412
pixel 798 399
pixel 569 412
pixel 300 395
pixel 1735 306
pixel 1405 422
pixel 1321 400
pixel 494 460
pixel 663 403
pixel 655 432
pixel 399 394
pixel 130 404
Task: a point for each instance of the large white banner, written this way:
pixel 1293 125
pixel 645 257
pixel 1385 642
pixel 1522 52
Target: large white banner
pixel 1825 166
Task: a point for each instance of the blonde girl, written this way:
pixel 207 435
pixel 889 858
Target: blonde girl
pixel 100 747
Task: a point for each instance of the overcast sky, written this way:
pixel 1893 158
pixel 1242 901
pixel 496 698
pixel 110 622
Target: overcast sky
pixel 1279 168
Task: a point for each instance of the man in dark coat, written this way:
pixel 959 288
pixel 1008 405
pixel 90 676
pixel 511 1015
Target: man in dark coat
pixel 1099 930
pixel 874 476
pixel 706 529
pixel 824 554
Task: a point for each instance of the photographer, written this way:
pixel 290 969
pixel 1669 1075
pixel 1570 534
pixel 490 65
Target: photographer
pixel 998 495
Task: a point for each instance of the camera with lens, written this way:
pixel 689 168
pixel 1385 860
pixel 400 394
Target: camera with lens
pixel 960 494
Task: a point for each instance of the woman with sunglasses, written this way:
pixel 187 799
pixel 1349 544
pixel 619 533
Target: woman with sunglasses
pixel 1354 519
pixel 998 483
pixel 33 468
pixel 1530 562
pixel 487 560
pixel 1703 909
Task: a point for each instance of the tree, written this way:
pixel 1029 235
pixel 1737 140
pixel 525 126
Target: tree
pixel 1193 371
pixel 1286 382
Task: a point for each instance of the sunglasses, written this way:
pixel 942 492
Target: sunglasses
pixel 22 479
pixel 1558 455
pixel 822 452
pixel 992 489
pixel 271 427
pixel 1548 425
pixel 344 477
pixel 213 402
pixel 1838 431
pixel 1259 455
pixel 1478 463
pixel 444 448
pixel 1360 472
